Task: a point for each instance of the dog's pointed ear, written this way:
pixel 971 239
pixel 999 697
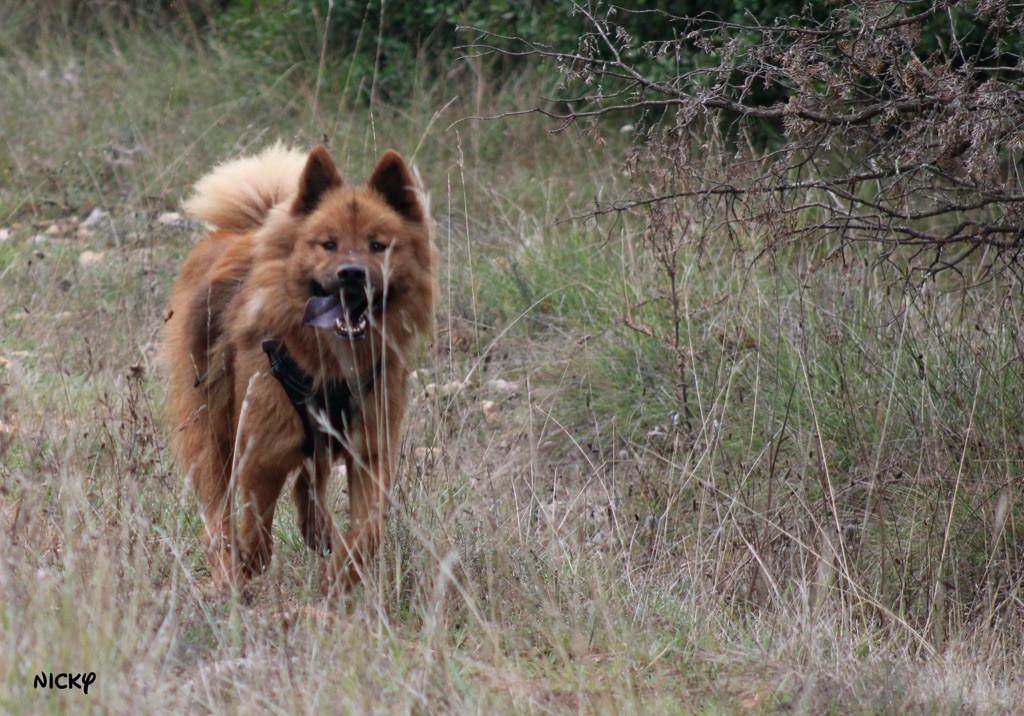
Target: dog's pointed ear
pixel 319 175
pixel 393 180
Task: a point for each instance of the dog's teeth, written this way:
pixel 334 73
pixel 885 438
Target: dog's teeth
pixel 345 327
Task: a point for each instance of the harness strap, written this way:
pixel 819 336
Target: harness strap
pixel 296 383
pixel 335 399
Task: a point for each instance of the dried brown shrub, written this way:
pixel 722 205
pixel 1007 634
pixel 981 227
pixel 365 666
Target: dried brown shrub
pixel 900 124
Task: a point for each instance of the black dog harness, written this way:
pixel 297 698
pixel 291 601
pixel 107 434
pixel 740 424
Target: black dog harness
pixel 336 400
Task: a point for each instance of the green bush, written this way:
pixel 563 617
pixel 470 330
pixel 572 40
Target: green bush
pixel 25 24
pixel 372 46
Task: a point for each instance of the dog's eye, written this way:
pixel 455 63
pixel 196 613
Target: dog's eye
pixel 376 247
pixel 330 246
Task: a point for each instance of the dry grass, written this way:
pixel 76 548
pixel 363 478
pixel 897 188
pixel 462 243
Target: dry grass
pixel 837 532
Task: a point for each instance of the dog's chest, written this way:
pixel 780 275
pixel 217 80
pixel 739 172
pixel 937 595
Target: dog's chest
pixel 328 410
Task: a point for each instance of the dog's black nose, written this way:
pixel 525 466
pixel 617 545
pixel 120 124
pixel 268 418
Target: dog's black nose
pixel 352 275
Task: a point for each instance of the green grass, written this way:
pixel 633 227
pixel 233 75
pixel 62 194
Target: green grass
pixel 836 528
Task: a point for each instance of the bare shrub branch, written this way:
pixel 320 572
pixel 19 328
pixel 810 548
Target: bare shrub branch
pixel 880 122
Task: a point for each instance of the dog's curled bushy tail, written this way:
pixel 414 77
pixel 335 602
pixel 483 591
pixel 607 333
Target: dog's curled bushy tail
pixel 237 195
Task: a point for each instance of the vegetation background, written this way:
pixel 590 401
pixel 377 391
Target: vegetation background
pixel 669 456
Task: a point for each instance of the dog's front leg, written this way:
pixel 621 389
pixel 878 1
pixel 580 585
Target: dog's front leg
pixel 368 493
pixel 268 448
pixel 311 510
pixel 259 486
pixel 369 465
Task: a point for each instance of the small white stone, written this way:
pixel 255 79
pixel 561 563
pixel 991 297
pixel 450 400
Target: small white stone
pixel 170 218
pixel 452 388
pixel 95 217
pixel 444 390
pixel 505 387
pixel 490 411
pixel 90 258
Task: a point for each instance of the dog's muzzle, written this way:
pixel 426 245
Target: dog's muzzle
pixel 345 308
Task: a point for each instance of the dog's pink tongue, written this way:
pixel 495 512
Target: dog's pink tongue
pixel 322 311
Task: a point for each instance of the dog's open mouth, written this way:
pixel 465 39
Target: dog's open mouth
pixel 347 315
pixel 347 311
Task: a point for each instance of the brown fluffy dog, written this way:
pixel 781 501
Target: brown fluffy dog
pixel 287 347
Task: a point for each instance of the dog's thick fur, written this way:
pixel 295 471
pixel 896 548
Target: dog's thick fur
pixel 285 227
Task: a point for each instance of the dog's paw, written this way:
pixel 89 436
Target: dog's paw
pixel 317 531
pixel 225 569
pixel 255 563
pixel 234 580
pixel 339 576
